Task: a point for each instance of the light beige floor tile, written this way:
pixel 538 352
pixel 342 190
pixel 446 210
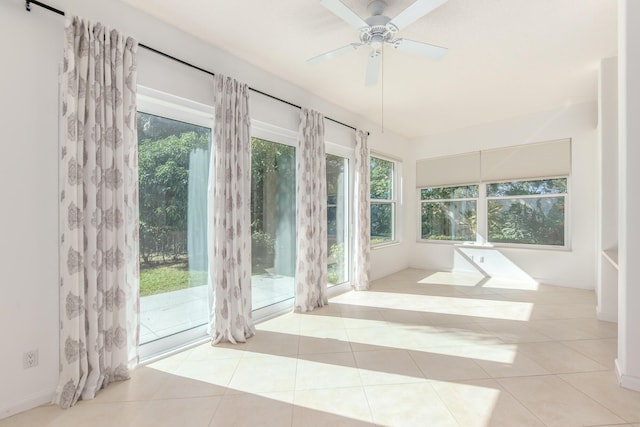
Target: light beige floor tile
pixel 264 374
pixel 603 388
pixel 143 385
pixel 596 327
pixel 216 372
pixel 44 416
pixel 603 351
pixel 407 405
pixel 305 417
pixel 558 358
pixel 178 387
pixel 444 319
pixel 324 341
pixel 330 407
pixel 483 403
pixel 82 414
pixel 250 410
pixel 512 331
pixel 439 366
pixel 560 330
pixel 563 311
pixel 371 318
pixel 327 370
pixel 557 403
pixel 387 367
pixel 289 322
pixel 214 352
pixel 196 412
pixel 271 343
pixel 514 364
pixel 403 317
pixel 168 363
pixel 311 321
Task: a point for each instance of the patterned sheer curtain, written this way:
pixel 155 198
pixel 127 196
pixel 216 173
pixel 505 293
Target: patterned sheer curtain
pixel 311 214
pixel 229 214
pixel 361 244
pixel 98 211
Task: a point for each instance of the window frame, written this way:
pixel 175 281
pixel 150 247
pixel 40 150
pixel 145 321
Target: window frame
pixel 567 215
pixel 482 221
pixel 395 201
pixel 478 208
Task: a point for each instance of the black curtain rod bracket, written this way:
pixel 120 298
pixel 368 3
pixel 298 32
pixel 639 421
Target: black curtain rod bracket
pixel 27 5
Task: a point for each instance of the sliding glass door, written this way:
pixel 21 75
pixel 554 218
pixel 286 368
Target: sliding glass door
pixel 273 222
pixel 337 219
pixel 174 147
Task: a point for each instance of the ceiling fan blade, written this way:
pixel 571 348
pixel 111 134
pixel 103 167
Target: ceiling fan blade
pixel 343 12
pixel 333 53
pixel 414 12
pixel 419 48
pixel 373 68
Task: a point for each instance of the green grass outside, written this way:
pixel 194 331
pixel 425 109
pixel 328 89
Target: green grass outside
pixel 169 277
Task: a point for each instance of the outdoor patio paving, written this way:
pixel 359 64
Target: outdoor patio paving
pixel 168 313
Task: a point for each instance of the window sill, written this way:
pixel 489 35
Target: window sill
pixel 384 245
pixel 475 245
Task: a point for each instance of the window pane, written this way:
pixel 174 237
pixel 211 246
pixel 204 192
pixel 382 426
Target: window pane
pixel 449 220
pixel 381 179
pixel 538 220
pixel 173 163
pixel 273 222
pixel 521 188
pixel 337 222
pixel 381 222
pixel 440 193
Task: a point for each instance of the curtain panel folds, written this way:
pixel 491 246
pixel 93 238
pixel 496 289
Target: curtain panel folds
pixel 362 214
pixel 230 214
pixel 99 273
pixel 311 214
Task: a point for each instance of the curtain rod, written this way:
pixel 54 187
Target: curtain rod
pixel 28 4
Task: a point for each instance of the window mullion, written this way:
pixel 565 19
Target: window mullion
pixel 482 220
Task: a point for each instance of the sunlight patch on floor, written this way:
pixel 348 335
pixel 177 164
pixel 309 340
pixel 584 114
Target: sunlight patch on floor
pixel 458 306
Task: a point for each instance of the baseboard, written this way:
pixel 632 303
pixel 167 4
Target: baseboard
pixel 12 408
pixel 606 317
pixel 627 381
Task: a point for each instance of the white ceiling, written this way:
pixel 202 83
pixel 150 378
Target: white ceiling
pixel 506 57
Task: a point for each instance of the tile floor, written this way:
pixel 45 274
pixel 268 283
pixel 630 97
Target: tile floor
pixel 418 349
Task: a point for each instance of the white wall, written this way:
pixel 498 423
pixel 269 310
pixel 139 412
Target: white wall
pixel 576 267
pixel 628 361
pixel 32 49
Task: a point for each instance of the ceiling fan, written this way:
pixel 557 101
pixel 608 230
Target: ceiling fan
pixel 379 30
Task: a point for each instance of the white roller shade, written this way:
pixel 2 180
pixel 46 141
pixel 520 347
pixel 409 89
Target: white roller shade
pixel 537 160
pixel 519 162
pixel 448 170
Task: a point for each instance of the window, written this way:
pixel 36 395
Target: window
pixel 174 143
pixel 527 212
pixel 514 212
pixel 449 213
pixel 337 219
pixel 273 222
pixel 383 194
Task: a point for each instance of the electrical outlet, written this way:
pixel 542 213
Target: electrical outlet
pixel 30 359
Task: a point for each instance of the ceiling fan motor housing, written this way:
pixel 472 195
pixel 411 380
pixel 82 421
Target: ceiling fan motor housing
pixel 378 31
